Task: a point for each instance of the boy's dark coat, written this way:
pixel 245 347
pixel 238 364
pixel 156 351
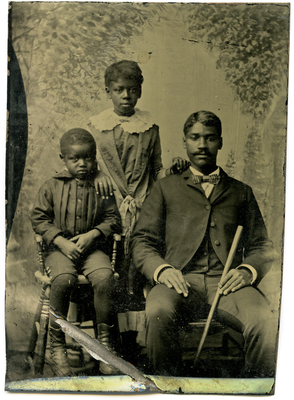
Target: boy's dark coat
pixel 49 212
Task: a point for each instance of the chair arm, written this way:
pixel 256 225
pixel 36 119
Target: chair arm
pixel 116 238
pixel 40 252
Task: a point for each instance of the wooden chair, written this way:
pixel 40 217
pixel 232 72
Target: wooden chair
pixel 38 339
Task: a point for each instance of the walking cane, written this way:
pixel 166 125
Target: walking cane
pixel 217 295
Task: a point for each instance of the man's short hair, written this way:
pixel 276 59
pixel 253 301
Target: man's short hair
pixel 206 118
pixel 76 136
pixel 123 69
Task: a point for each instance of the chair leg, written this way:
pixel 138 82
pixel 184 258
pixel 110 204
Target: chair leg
pixel 34 334
pixel 40 349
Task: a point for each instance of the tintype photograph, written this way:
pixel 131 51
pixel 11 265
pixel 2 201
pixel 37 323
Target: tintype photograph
pixel 145 196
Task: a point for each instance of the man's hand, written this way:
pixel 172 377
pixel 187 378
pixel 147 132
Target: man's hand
pixel 85 240
pixel 103 185
pixel 173 278
pixel 69 249
pixel 178 165
pixel 235 280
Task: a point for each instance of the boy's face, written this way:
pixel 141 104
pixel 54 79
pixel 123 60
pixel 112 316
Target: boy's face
pixel 202 144
pixel 124 94
pixel 80 160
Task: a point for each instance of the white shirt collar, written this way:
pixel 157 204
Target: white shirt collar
pixel 196 172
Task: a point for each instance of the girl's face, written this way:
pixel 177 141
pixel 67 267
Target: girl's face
pixel 124 94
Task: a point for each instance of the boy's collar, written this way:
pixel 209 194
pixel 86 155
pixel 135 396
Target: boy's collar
pixel 140 121
pixel 65 174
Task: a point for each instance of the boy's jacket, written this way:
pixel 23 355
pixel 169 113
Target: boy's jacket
pixel 49 214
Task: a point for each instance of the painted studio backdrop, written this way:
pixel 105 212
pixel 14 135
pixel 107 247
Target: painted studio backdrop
pixel 229 59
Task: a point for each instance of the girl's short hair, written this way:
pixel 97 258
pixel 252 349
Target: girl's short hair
pixel 76 136
pixel 123 69
pixel 206 118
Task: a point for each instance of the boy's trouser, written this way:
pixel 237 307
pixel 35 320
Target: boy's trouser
pixel 97 268
pixel 59 264
pixel 246 311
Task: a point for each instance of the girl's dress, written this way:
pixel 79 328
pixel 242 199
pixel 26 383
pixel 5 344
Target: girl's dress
pixel 129 151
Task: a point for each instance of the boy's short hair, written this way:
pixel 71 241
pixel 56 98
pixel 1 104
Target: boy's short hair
pixel 206 118
pixel 76 136
pixel 123 69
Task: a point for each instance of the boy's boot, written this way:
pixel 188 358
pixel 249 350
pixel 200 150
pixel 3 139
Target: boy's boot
pixel 106 336
pixel 59 361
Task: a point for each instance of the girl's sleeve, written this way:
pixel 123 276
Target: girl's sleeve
pixel 158 170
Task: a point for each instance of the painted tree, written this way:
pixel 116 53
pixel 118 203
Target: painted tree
pixel 66 47
pixel 231 163
pixel 252 45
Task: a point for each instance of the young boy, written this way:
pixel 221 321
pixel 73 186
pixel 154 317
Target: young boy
pixel 75 225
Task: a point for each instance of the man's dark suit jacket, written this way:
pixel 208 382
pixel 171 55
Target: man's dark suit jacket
pixel 177 214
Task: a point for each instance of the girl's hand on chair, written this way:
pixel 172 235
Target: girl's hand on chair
pixel 103 185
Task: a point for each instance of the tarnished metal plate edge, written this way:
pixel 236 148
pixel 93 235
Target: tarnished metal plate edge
pixel 123 384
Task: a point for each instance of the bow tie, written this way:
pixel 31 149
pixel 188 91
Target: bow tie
pixel 214 179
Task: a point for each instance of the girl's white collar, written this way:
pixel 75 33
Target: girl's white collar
pixel 140 121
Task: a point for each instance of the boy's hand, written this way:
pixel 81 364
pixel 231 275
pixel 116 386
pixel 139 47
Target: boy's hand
pixel 85 240
pixel 103 185
pixel 178 165
pixel 69 249
pixel 173 278
pixel 235 280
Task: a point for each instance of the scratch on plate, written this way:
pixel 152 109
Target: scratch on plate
pixel 99 352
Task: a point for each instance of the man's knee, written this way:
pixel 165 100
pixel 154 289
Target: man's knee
pixel 263 325
pixel 161 306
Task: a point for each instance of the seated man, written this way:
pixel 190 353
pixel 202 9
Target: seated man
pixel 181 243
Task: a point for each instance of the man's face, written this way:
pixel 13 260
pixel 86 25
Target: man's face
pixel 80 160
pixel 202 144
pixel 124 94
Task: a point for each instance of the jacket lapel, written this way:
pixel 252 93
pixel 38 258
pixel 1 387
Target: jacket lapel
pixel 219 189
pixel 145 142
pixel 188 176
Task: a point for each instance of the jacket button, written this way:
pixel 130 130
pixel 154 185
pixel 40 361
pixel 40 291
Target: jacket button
pixel 217 243
pixel 212 224
pixel 77 232
pixel 208 207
